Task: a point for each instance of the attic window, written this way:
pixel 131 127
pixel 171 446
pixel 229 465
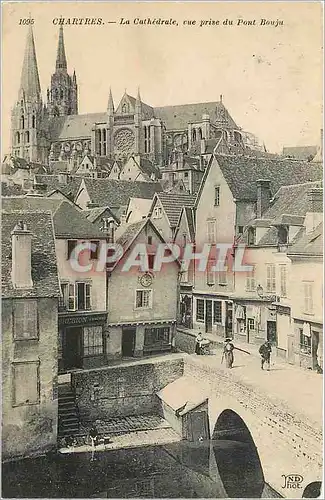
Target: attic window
pixel 149 240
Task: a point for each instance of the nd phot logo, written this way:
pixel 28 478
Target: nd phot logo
pixel 292 481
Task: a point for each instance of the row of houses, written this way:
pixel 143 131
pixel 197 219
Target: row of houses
pixel 57 319
pixel 274 208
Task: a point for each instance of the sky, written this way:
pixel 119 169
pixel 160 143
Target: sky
pixel 270 76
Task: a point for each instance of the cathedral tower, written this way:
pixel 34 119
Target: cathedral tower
pixel 62 97
pixel 28 117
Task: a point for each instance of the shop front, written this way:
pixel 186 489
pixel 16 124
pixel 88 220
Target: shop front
pixel 254 321
pixel 308 344
pixel 213 314
pixel 82 340
pixel 132 340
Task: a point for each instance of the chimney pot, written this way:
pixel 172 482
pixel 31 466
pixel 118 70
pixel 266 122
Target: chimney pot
pixel 21 264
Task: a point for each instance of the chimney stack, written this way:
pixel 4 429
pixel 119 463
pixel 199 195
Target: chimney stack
pixel 63 178
pixel 314 215
pixel 263 196
pixel 21 270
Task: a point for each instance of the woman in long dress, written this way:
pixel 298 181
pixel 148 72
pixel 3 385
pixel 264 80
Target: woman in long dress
pixel 228 351
pixel 198 341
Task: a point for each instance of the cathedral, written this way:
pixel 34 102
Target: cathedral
pixel 54 131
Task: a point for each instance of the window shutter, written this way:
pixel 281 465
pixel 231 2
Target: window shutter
pixel 25 383
pixel 72 297
pixel 31 323
pixel 88 295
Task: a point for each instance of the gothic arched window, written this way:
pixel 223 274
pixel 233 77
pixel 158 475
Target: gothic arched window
pixel 33 121
pixel 22 121
pixel 27 136
pixel 17 138
pixel 199 133
pixel 125 108
pixel 194 135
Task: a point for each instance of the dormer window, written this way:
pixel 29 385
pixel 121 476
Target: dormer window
pixel 251 236
pixel 283 235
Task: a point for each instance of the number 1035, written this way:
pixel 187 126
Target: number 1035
pixel 26 21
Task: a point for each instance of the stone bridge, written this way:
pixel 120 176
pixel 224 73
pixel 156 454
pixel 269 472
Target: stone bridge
pixel 281 443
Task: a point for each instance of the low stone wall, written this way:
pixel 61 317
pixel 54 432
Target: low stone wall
pixel 125 389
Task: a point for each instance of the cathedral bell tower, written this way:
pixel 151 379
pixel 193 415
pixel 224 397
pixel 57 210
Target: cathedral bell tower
pixel 29 116
pixel 62 97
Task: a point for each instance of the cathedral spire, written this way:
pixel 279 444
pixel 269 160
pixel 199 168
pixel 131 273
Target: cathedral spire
pixel 110 106
pixel 29 82
pixel 138 102
pixel 61 60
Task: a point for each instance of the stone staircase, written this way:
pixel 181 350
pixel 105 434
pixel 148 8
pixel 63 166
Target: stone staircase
pixel 69 422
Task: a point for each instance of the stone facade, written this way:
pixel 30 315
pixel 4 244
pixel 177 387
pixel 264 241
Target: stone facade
pixel 29 426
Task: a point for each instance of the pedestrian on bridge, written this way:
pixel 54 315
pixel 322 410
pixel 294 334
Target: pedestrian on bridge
pixel 265 352
pixel 228 352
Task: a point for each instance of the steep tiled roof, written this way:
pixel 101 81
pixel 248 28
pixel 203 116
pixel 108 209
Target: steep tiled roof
pixel 173 205
pixel 242 172
pixel 59 166
pixel 300 152
pixel 92 214
pixel 52 182
pixel 69 222
pixel 44 267
pixel 311 244
pixel 292 199
pixel 148 168
pixel 11 189
pixel 190 221
pixel 129 234
pixel 116 193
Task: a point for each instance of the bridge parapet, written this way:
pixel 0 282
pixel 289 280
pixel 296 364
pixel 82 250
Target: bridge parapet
pixel 287 444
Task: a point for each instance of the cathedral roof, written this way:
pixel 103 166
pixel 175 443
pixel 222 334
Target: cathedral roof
pixel 30 83
pixel 177 117
pixel 173 117
pixel 76 126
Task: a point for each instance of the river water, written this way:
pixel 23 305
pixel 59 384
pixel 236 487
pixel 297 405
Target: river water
pixel 211 469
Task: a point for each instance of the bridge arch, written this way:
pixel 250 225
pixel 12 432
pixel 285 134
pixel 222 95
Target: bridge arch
pixel 236 456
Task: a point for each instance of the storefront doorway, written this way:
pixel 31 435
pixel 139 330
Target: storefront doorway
pixel 271 332
pixel 128 341
pixel 72 348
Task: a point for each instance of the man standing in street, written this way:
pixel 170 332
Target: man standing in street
pixel 265 351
